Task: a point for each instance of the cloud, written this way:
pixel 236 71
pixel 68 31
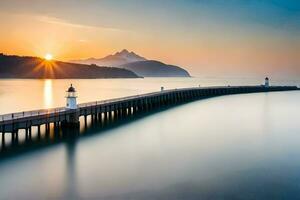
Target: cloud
pixel 61 22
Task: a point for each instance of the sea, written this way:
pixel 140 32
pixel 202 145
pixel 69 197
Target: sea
pixel 230 147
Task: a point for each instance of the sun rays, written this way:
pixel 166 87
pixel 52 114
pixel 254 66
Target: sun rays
pixel 48 68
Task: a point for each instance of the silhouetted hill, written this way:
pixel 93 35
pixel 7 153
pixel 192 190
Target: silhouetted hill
pixel 138 64
pixel 33 67
pixel 152 68
pixel 119 58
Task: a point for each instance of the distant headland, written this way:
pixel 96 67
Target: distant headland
pixel 12 66
pixel 137 64
pixel 122 64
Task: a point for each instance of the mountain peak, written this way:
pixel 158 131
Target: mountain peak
pixel 127 56
pixel 119 58
pixel 139 65
pixel 124 51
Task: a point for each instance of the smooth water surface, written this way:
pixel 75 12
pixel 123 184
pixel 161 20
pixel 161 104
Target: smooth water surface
pixel 230 147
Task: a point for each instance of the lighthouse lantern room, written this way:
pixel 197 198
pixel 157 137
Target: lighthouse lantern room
pixel 71 97
pixel 267 82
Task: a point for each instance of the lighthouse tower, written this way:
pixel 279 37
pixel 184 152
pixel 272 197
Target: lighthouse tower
pixel 267 82
pixel 71 98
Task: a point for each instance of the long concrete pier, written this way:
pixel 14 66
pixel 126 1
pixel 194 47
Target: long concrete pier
pixel 107 110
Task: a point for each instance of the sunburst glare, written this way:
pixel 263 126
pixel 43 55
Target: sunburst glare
pixel 48 56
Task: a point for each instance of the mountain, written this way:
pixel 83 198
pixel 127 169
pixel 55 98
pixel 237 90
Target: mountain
pixel 152 68
pixel 33 67
pixel 116 59
pixel 139 65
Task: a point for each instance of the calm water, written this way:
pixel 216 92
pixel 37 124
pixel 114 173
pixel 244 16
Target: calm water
pixel 231 147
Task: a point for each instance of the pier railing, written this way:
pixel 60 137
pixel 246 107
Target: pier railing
pixel 43 112
pixel 59 110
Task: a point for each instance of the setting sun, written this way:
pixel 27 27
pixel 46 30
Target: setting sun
pixel 48 56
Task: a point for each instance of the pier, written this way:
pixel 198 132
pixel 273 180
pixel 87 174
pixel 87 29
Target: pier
pixel 119 108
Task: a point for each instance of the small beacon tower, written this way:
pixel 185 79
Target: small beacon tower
pixel 71 97
pixel 72 115
pixel 267 82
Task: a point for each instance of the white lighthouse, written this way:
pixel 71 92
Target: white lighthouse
pixel 71 98
pixel 267 82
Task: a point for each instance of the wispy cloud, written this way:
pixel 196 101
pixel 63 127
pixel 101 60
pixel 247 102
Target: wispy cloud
pixel 61 22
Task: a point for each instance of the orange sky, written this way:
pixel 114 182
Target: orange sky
pixel 207 45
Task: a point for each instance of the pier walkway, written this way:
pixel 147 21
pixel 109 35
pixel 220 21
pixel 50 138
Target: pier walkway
pixel 118 108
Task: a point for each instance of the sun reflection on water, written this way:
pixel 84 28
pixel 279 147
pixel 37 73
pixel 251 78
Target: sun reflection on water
pixel 48 94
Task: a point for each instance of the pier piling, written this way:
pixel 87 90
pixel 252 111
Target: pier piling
pixel 108 111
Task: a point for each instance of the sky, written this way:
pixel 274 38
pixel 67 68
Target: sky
pixel 207 37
